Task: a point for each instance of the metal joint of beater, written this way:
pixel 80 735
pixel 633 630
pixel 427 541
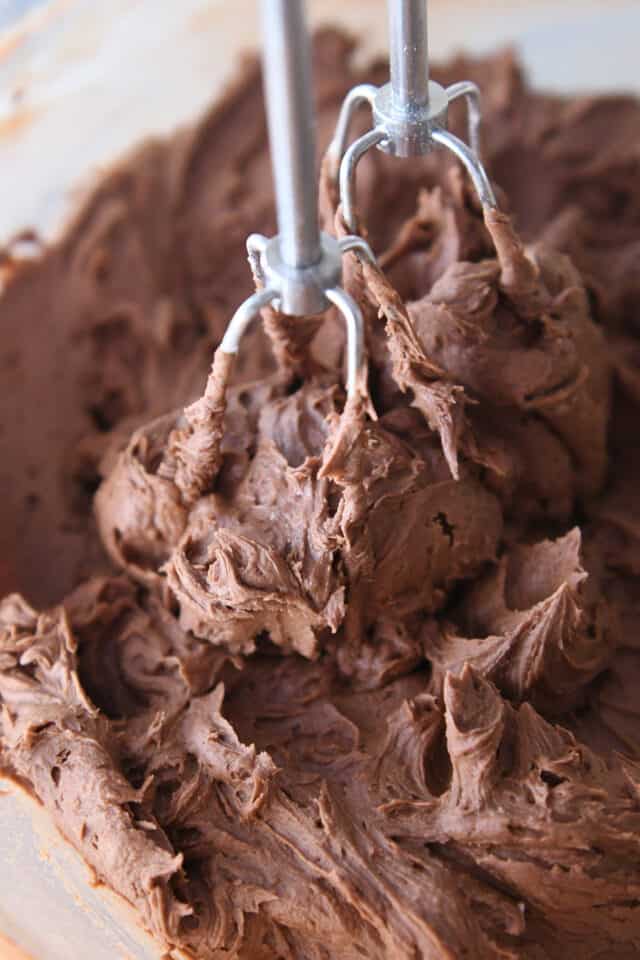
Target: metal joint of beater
pixel 299 271
pixel 409 113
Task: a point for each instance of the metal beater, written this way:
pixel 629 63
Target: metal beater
pixel 409 112
pixel 299 271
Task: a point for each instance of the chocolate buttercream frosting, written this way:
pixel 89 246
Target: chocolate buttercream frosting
pixel 318 678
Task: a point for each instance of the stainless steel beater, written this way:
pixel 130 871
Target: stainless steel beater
pixel 409 112
pixel 299 271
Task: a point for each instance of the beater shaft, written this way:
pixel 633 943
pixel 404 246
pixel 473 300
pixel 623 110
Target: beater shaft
pixel 409 114
pixel 291 121
pixel 299 271
pixel 408 53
